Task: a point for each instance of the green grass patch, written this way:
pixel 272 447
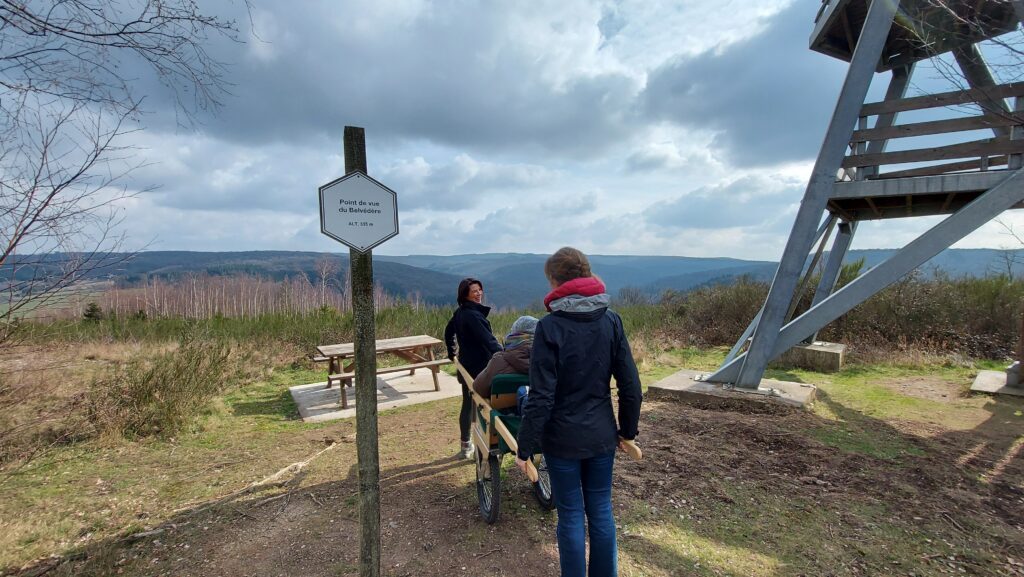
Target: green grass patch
pixel 671 361
pixel 866 442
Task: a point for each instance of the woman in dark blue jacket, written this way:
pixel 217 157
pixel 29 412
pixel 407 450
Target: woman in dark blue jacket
pixel 577 349
pixel 469 335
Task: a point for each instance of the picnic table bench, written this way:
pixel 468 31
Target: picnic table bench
pixel 418 350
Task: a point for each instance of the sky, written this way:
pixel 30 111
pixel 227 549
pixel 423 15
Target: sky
pixel 639 127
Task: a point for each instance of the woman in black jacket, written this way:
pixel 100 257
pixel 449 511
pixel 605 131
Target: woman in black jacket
pixel 577 349
pixel 469 335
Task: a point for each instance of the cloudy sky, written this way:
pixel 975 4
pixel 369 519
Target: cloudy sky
pixel 620 127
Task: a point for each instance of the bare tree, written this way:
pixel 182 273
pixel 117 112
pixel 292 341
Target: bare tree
pixel 983 40
pixel 67 70
pixel 326 271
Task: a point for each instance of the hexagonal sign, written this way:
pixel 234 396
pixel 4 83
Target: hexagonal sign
pixel 358 211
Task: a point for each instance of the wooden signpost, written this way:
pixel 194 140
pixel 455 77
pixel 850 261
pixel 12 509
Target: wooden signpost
pixel 362 213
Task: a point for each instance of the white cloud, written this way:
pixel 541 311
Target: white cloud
pixel 625 126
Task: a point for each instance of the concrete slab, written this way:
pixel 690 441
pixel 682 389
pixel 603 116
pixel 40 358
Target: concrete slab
pixel 317 403
pixel 687 386
pixel 995 382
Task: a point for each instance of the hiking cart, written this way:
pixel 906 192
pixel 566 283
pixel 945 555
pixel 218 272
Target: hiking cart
pixel 494 432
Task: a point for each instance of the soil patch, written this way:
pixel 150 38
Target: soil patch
pixel 928 388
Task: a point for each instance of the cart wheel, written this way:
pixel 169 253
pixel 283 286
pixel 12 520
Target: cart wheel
pixel 542 488
pixel 488 485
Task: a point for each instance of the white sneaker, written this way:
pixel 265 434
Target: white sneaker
pixel 467 450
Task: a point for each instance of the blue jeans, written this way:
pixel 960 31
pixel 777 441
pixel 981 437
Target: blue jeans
pixel 522 395
pixel 582 488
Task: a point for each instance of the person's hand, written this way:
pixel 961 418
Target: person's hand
pixel 629 447
pixel 521 464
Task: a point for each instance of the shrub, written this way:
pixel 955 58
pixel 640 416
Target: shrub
pixel 93 312
pixel 717 314
pixel 163 395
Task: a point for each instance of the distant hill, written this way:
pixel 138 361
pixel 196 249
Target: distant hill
pixel 511 279
pixel 518 279
pixel 955 262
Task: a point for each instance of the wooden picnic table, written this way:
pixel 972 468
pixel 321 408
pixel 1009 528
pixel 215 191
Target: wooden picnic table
pixel 417 350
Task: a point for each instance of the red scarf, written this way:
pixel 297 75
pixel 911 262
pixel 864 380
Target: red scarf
pixel 584 286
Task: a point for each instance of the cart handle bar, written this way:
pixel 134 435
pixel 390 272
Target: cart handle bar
pixel 510 440
pixel 531 470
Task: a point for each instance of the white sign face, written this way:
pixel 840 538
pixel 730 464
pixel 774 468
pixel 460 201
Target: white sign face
pixel 358 211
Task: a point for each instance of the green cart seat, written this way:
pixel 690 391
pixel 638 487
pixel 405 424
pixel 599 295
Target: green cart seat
pixel 507 384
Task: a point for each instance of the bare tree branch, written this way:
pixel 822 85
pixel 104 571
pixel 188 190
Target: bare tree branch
pixel 67 72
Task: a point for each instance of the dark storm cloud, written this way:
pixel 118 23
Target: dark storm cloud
pixel 769 97
pixel 454 75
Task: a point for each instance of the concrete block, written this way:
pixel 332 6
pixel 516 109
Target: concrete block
pixel 995 382
pixel 818 356
pixel 1013 375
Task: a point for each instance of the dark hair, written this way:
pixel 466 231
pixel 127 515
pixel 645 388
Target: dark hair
pixel 566 264
pixel 464 285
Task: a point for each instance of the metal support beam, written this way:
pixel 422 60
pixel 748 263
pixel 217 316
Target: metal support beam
pixel 858 78
pixel 978 75
pixel 743 338
pixel 898 84
pixel 938 238
pixel 833 265
pixel 1016 133
pixel 826 226
pixel 830 225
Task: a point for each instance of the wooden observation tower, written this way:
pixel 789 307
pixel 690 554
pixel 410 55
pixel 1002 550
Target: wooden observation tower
pixel 960 155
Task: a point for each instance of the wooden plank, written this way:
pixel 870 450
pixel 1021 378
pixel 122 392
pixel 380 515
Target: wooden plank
pixel 941 99
pixel 874 208
pixel 851 40
pixel 395 369
pixel 430 354
pixel 988 147
pixel 827 16
pixel 382 345
pixel 887 187
pixel 835 208
pixel 948 201
pixel 897 89
pixel 944 168
pixel 935 127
